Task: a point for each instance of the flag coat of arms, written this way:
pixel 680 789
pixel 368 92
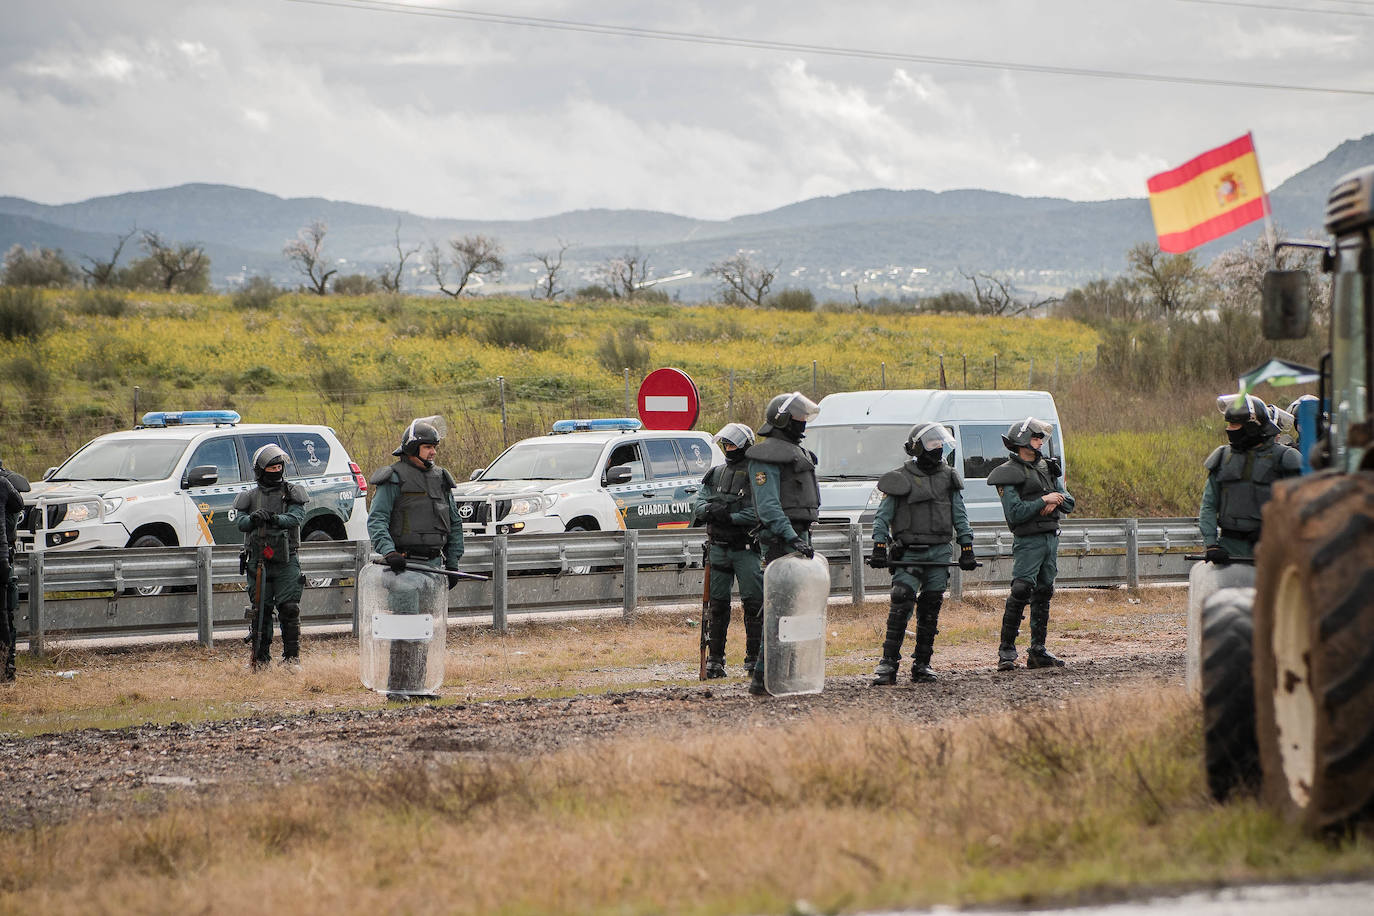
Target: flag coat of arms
pixel 1208 196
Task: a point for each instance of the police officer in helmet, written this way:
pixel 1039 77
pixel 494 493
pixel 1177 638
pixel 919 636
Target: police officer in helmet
pixel 725 503
pixel 1240 475
pixel 921 512
pixel 270 515
pixel 782 475
pixel 12 505
pixel 414 520
pixel 1033 501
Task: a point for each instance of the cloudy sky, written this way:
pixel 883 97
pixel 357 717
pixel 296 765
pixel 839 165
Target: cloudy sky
pixel 434 108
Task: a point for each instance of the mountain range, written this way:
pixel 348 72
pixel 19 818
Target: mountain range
pixel 887 242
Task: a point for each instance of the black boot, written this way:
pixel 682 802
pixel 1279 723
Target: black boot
pixel 756 686
pixel 715 638
pixel 753 633
pixel 715 667
pixel 1011 623
pixel 927 622
pixel 898 613
pixel 8 640
pixel 290 616
pixel 1038 656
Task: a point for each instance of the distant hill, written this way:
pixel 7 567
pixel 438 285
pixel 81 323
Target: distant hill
pixel 887 242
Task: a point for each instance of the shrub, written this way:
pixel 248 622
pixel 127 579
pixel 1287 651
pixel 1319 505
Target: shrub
pixel 23 314
pixel 518 332
pixel 594 291
pixel 31 374
pixel 356 285
pixel 792 300
pixel 46 267
pixel 339 385
pixel 257 294
pixel 623 349
pixel 105 302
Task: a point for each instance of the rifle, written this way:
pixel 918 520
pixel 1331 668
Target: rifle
pixel 705 604
pixel 265 553
pixel 913 565
pixel 1197 557
pixel 420 567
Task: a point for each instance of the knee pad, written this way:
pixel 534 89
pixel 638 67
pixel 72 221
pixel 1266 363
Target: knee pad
pixel 930 601
pixel 902 593
pixel 1022 589
pixel 1044 593
pixel 289 611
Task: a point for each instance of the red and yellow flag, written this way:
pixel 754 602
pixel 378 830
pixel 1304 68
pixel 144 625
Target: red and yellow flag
pixel 1207 197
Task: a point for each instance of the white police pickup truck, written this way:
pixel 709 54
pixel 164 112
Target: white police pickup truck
pixel 589 475
pixel 171 481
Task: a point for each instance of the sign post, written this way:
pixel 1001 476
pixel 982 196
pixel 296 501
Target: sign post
pixel 668 400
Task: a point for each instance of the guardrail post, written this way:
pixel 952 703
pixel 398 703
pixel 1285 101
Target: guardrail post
pixel 500 554
pixel 956 578
pixel 205 597
pixel 631 569
pixel 361 557
pixel 1133 553
pixel 36 604
pixel 856 562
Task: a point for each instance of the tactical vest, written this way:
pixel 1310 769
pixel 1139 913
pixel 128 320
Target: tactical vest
pixel 1244 484
pixel 1031 481
pixel 420 522
pixel 924 512
pixel 283 541
pixel 731 483
pixel 798 491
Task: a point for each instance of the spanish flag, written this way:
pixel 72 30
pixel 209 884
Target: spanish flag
pixel 1207 197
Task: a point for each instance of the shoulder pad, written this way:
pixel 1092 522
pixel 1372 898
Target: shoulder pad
pixel 448 478
pixel 384 475
pixel 895 483
pixel 244 500
pixel 1290 460
pixel 295 493
pixel 1006 474
pixel 956 480
pixel 18 481
pixel 709 478
pixel 772 451
pixel 1215 459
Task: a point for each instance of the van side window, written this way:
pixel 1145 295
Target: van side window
pixel 983 449
pixel 697 454
pixel 663 460
pixel 628 455
pixel 222 454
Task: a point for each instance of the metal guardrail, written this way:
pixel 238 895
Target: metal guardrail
pixel 532 573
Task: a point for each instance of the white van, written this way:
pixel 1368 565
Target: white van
pixel 858 436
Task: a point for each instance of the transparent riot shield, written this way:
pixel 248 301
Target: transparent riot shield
pixel 795 591
pixel 402 628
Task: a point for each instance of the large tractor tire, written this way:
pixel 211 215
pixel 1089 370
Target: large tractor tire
pixel 1228 694
pixel 1314 650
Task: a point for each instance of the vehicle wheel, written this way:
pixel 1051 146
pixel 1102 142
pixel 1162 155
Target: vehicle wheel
pixel 579 570
pixel 147 540
pixel 1314 649
pixel 1231 751
pixel 319 534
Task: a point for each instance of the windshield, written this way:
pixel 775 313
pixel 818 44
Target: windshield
pixel 861 452
pixel 546 461
pixel 123 459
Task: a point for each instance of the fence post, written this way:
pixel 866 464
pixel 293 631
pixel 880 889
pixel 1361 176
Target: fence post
pixel 501 383
pixel 964 357
pixel 500 596
pixel 956 578
pixel 1133 553
pixel 205 597
pixel 994 372
pixel 1030 377
pixel 36 602
pixel 730 400
pixel 883 376
pixel 813 379
pixel 856 562
pixel 627 392
pixel 631 571
pixel 362 555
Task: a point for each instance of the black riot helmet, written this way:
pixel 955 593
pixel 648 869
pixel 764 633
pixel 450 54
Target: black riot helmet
pixel 738 435
pixel 418 433
pixel 1019 433
pixel 1249 409
pixel 264 458
pixel 789 414
pixel 929 440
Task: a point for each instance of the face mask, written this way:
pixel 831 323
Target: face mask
pixel 1247 437
pixel 271 478
pixel 929 459
pixel 734 456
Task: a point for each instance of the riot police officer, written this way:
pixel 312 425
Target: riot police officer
pixel 12 504
pixel 921 512
pixel 414 520
pixel 782 476
pixel 1033 502
pixel 270 515
pixel 725 504
pixel 1240 475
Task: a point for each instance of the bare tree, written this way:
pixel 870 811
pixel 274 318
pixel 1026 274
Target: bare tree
pixel 1172 281
pixel 744 279
pixel 996 296
pixel 471 256
pixel 306 253
pixel 184 266
pixel 102 273
pixel 390 275
pixel 547 286
pixel 626 274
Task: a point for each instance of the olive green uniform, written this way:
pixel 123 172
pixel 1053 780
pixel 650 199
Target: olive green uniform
pixel 273 546
pixel 733 556
pixel 1239 483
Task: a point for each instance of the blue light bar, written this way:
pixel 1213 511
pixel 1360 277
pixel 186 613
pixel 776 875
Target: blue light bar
pixel 610 424
pixel 190 417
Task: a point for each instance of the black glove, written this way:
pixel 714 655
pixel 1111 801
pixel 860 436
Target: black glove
pixel 1216 554
pixel 878 559
pixel 718 515
pixel 262 515
pixel 966 558
pixel 803 548
pixel 396 560
pixel 452 580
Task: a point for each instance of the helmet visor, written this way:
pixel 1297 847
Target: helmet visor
pixel 737 434
pixel 1241 408
pixel 799 407
pixel 1031 428
pixel 932 437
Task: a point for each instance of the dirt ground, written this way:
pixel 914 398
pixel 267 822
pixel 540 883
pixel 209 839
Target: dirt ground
pixel 67 775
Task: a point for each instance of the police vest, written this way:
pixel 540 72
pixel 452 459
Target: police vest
pixel 1245 480
pixel 924 503
pixel 420 521
pixel 1031 481
pixel 731 483
pixel 283 541
pixel 798 491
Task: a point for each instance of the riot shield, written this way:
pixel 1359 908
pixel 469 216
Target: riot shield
pixel 795 592
pixel 402 630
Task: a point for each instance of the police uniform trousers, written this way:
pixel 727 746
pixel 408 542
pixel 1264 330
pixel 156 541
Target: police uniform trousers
pixel 730 565
pixel 282 587
pixel 1035 558
pixel 923 578
pixel 410 658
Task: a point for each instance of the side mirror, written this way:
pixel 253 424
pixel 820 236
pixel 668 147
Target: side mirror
pixel 49 472
pixel 1286 306
pixel 202 475
pixel 476 473
pixel 618 474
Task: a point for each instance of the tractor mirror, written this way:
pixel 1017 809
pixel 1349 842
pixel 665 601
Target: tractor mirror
pixel 1286 307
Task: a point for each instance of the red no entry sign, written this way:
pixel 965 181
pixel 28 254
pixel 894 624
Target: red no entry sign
pixel 668 400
